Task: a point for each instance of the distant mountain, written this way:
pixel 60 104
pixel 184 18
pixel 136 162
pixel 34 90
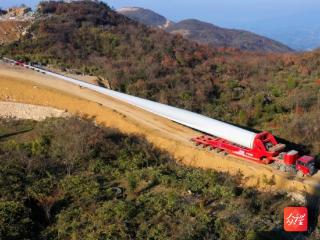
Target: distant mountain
pixel 300 31
pixel 206 33
pixel 146 17
pixel 301 39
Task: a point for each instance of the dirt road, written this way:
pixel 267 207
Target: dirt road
pixel 22 85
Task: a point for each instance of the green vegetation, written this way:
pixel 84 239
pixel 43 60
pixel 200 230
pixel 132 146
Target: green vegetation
pixel 279 93
pixel 71 179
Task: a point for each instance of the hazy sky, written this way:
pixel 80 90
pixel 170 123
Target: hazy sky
pixel 227 13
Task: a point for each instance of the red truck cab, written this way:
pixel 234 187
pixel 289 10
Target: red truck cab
pixel 305 165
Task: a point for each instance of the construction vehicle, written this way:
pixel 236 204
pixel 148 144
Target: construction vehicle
pixel 265 149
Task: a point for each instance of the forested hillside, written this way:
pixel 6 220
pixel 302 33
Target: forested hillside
pixel 206 33
pixel 71 179
pixel 272 92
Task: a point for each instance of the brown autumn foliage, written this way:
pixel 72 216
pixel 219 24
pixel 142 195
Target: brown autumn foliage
pixel 262 91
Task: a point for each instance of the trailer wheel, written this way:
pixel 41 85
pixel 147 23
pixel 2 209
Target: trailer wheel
pixel 275 166
pixel 210 148
pixel 218 150
pixel 200 146
pixel 224 153
pixel 300 174
pixel 282 168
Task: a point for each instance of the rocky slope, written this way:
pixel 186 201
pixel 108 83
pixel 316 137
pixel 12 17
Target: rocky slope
pixel 13 23
pixel 146 17
pixel 11 30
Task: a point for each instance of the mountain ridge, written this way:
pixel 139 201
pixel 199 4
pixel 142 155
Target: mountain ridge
pixel 141 15
pixel 206 33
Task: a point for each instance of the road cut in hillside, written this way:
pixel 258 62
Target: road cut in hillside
pixel 22 85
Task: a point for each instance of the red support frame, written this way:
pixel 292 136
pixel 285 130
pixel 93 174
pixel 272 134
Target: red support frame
pixel 265 147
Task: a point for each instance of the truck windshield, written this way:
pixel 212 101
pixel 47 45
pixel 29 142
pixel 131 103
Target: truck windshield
pixel 309 164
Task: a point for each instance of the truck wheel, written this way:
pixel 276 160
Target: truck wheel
pixel 224 153
pixel 300 174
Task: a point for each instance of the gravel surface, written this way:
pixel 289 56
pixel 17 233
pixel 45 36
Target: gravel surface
pixel 28 111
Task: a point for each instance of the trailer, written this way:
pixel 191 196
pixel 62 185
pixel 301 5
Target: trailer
pixel 265 150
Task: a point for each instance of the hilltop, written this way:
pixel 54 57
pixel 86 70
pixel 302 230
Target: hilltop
pixel 146 17
pixel 16 13
pixel 271 92
pixel 206 33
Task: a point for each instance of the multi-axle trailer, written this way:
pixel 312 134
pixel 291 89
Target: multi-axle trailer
pixel 223 137
pixel 265 150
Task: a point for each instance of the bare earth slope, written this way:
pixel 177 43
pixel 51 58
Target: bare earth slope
pixel 17 84
pixel 11 30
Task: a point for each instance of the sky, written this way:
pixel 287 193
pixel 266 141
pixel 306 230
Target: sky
pixel 226 13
